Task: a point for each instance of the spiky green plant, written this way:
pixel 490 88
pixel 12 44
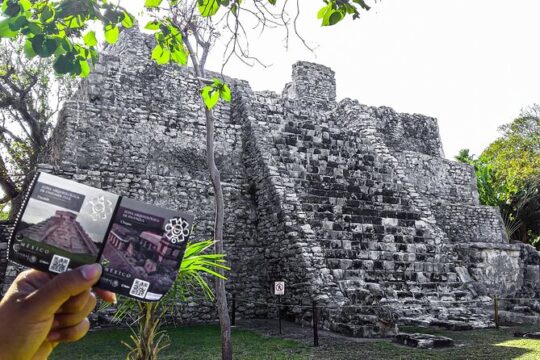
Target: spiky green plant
pixel 147 339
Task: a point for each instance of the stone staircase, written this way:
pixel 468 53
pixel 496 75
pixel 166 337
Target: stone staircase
pixel 378 224
pixel 376 243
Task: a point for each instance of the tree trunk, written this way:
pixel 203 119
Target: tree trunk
pixel 215 177
pixel 148 324
pixel 221 296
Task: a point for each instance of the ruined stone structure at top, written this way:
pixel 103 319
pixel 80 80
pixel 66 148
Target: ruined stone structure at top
pixel 352 206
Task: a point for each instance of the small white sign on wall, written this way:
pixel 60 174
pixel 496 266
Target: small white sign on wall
pixel 279 288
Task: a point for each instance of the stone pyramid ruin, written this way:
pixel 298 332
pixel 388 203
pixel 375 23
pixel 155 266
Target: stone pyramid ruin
pixel 354 207
pixel 63 231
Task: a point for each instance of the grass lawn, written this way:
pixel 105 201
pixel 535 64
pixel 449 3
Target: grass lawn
pixel 202 342
pixel 193 342
pixel 473 344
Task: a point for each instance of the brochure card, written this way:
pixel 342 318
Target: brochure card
pixel 64 224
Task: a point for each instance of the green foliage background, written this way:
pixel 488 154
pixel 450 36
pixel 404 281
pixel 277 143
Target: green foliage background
pixel 508 175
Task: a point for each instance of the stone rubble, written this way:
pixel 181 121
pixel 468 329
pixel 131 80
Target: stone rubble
pixel 423 341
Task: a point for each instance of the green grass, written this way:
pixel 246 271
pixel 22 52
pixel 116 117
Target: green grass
pixel 203 342
pixel 474 344
pixel 187 343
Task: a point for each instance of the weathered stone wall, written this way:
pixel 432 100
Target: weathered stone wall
pixel 292 252
pixel 352 206
pixel 440 180
pixel 303 92
pixel 531 274
pixel 139 131
pixel 493 268
pixel 471 223
pixel 402 132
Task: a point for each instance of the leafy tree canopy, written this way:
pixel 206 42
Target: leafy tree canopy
pixel 59 28
pixel 30 97
pixel 508 175
pixel 515 156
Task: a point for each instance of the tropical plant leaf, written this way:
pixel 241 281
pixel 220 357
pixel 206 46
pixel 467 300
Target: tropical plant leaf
pixel 210 96
pixel 90 38
pixel 150 4
pixel 208 7
pixel 5 29
pixel 111 33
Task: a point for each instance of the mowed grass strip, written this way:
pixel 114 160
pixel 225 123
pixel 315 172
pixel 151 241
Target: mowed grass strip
pixel 489 344
pixel 187 343
pixel 203 342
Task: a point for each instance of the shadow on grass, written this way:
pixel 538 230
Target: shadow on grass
pixel 190 342
pixel 203 342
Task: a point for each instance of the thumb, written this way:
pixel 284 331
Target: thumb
pixel 45 301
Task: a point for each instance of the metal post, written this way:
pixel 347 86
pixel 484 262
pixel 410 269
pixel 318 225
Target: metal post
pixel 233 310
pixel 496 308
pixel 315 324
pixel 279 313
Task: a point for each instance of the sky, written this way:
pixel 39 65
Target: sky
pixel 473 65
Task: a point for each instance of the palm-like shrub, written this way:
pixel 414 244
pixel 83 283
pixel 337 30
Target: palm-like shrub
pixel 147 338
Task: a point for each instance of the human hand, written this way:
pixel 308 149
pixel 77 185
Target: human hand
pixel 39 310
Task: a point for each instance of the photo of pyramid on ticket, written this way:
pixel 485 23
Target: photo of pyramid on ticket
pixel 62 225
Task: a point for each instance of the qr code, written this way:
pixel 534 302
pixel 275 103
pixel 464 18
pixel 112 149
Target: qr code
pixel 139 288
pixel 59 264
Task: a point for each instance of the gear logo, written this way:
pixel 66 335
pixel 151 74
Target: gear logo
pixel 177 230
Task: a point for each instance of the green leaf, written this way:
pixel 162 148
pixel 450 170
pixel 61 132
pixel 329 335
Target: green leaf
pixel 179 56
pixel 153 25
pixel 225 93
pixel 66 44
pixel 34 28
pixel 160 55
pixel 85 68
pixel 26 4
pixel 43 46
pixel 94 56
pixel 63 64
pixel 47 14
pixel 152 3
pixel 111 33
pixel 210 96
pixel 208 7
pixel 127 22
pixel 28 50
pixel 90 38
pixel 335 17
pixel 322 12
pixel 17 23
pixel 76 69
pixel 13 9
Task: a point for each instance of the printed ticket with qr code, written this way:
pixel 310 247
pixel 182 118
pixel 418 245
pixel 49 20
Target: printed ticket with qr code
pixel 64 224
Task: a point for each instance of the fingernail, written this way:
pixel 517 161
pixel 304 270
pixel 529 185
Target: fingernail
pixel 91 272
pixel 53 336
pixel 115 300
